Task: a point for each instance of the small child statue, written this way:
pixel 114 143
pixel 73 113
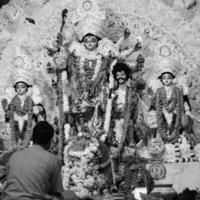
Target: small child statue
pixel 19 111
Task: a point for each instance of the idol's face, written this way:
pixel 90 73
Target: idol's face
pixel 121 77
pixel 21 88
pixel 167 79
pixel 90 42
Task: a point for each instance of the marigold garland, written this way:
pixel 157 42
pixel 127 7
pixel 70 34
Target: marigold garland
pixel 161 102
pixel 27 108
pixel 131 102
pixel 80 172
pixel 93 74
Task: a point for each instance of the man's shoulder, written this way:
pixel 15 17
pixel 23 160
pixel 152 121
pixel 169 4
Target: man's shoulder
pixel 47 156
pixel 52 156
pixel 34 151
pixel 52 160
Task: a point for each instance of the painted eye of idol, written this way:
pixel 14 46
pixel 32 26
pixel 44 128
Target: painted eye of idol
pixel 89 39
pixel 20 85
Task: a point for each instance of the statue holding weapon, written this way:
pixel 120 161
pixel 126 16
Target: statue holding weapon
pixel 60 71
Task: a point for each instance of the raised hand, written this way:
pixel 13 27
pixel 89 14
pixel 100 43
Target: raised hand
pixel 59 39
pixel 4 104
pixel 138 46
pixel 127 33
pixel 140 61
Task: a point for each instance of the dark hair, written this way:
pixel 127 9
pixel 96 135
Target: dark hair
pixel 90 34
pixel 121 67
pixel 27 86
pixel 42 133
pixel 160 77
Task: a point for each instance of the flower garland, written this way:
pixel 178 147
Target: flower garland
pixel 99 80
pixel 97 68
pixel 97 76
pixel 65 95
pixel 80 65
pixel 131 102
pixel 104 103
pixel 161 102
pixel 28 134
pixel 109 101
pixel 80 172
pixel 27 108
pixel 18 108
pixel 96 64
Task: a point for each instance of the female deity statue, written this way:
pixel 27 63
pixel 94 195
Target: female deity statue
pixel 168 105
pixel 88 66
pixel 19 112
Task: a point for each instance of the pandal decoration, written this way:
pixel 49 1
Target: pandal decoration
pixel 157 170
pixel 136 176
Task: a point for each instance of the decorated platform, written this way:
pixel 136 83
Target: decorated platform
pixel 119 82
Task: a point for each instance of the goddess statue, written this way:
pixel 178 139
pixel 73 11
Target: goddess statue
pixel 22 109
pixel 88 67
pixel 171 105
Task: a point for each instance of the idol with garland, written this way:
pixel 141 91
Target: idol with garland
pixel 91 72
pixel 88 65
pixel 19 111
pixel 125 101
pixel 122 134
pixel 168 106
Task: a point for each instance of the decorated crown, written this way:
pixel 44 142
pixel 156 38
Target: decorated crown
pixel 23 76
pixel 166 66
pixel 168 70
pixel 89 19
pixel 23 71
pixel 89 25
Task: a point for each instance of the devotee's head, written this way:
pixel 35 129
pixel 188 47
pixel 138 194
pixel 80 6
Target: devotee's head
pixel 43 134
pixel 121 73
pixel 21 87
pixel 90 41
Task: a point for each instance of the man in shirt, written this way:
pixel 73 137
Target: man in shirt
pixel 34 173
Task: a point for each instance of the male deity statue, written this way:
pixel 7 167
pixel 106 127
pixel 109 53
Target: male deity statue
pixel 122 130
